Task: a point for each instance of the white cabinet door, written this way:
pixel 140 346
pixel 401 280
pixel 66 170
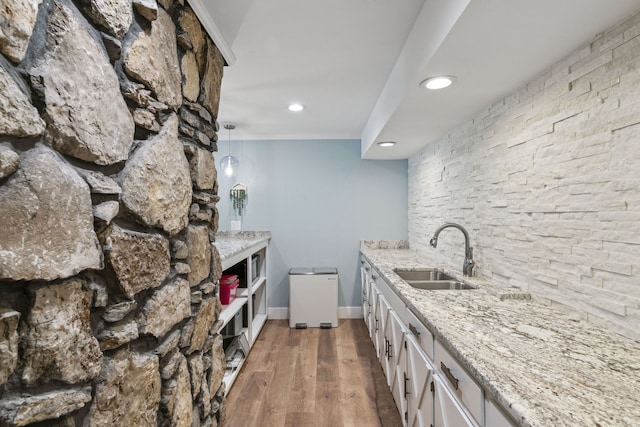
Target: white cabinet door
pixel 419 377
pixel 371 318
pixel 363 284
pixel 447 410
pixel 381 320
pixel 397 360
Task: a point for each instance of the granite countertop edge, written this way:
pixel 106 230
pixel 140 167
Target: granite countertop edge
pixel 230 243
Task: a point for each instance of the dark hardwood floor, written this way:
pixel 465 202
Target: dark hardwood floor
pixel 311 377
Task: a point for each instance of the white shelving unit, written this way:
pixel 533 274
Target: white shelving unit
pixel 251 301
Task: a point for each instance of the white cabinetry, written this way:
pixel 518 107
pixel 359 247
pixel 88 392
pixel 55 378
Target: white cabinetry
pixel 249 308
pixel 447 410
pixel 430 387
pixel 418 386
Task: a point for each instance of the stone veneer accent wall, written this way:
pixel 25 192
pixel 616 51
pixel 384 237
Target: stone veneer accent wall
pixel 547 182
pixel 108 307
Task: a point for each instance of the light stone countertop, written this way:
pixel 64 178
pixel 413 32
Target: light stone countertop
pixel 230 243
pixel 544 366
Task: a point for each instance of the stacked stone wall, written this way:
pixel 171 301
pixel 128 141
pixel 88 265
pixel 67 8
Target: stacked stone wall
pixel 547 183
pixel 108 192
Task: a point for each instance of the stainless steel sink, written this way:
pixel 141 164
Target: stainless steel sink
pixel 439 285
pixel 428 274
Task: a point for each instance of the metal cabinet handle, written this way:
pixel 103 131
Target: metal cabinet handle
pixel 447 373
pixel 406 379
pixel 373 276
pixel 367 268
pixel 414 330
pixel 376 325
pixel 389 353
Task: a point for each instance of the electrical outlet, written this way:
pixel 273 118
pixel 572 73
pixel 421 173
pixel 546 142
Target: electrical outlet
pixel 236 225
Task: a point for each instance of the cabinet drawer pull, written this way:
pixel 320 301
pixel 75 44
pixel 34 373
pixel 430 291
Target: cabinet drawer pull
pixel 373 276
pixel 414 330
pixel 390 350
pixel 447 373
pixel 367 268
pixel 376 325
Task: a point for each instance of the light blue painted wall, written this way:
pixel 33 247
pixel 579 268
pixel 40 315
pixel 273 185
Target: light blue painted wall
pixel 318 199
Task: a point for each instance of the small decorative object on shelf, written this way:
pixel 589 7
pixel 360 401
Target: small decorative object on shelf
pixel 238 196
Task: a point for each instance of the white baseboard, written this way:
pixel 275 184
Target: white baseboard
pixel 349 312
pixel 280 313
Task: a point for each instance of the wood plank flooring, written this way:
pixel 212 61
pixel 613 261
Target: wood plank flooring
pixel 311 377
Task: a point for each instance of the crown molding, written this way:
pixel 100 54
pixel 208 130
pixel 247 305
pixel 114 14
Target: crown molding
pixel 212 30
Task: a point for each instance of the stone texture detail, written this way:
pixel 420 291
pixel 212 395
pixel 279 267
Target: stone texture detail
pixel 24 410
pixel 82 94
pixel 218 365
pixel 47 230
pixel 159 164
pixel 114 336
pixel 216 264
pixel 85 342
pixel 146 119
pixel 117 312
pixel 119 400
pixel 199 254
pixel 100 183
pixel 106 211
pixel 191 77
pixel 17 18
pixel 9 162
pixel 544 181
pixel 8 343
pixel 153 59
pixel 177 398
pixel 18 117
pixel 203 169
pixel 59 344
pixel 147 8
pixel 115 16
pixel 203 322
pixel 213 73
pixel 139 260
pixel 190 24
pixel 166 307
pixel 196 369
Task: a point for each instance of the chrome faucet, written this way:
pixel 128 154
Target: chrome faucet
pixel 467 267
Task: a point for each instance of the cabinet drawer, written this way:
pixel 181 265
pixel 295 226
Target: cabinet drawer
pixel 422 335
pixel 464 387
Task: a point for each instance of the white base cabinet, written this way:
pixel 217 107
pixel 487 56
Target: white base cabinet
pixel 429 386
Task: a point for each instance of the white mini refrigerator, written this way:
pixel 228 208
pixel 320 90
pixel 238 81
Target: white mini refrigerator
pixel 313 298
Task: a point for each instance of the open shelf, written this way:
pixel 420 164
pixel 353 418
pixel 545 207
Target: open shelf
pixel 261 281
pixel 246 315
pixel 230 310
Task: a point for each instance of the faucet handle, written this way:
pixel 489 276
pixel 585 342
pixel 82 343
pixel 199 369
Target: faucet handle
pixel 434 241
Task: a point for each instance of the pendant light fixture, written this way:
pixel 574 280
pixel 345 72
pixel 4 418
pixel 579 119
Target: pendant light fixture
pixel 229 164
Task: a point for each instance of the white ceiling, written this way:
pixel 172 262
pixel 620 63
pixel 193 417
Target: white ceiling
pixel 356 64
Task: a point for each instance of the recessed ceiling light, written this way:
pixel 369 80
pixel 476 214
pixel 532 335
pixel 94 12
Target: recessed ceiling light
pixel 386 143
pixel 296 107
pixel 438 82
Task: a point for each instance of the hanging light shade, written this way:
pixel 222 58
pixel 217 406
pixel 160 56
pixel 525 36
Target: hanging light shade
pixel 229 164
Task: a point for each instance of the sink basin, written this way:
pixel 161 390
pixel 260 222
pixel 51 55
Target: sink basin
pixel 439 285
pixel 429 274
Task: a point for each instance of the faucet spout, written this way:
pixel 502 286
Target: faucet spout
pixel 467 267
